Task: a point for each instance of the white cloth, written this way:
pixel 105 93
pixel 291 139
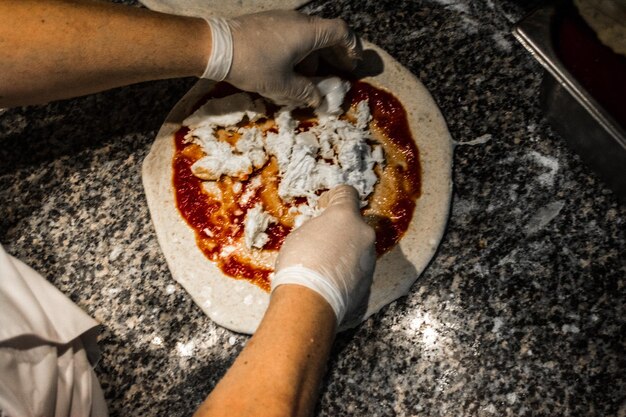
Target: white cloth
pixel 47 345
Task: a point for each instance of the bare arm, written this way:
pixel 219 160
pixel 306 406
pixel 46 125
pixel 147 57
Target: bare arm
pixel 54 49
pixel 279 370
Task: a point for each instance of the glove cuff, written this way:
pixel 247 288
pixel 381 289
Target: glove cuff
pixel 221 58
pixel 306 277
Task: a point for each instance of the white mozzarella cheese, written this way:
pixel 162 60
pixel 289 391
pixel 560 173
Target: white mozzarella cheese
pixel 296 178
pixel 251 144
pixel 226 111
pixel 333 91
pixel 331 153
pixel 212 188
pixel 220 160
pixel 255 225
pixel 363 115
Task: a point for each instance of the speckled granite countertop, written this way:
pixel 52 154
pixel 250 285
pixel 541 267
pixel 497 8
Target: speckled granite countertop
pixel 521 312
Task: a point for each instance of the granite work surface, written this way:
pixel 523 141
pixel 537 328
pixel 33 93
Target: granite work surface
pixel 520 313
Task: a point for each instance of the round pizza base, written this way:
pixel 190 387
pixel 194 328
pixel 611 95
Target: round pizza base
pixel 239 305
pixel 207 8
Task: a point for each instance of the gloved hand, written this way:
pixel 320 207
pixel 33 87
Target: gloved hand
pixel 258 52
pixel 332 254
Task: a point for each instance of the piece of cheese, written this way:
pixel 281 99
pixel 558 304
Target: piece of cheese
pixel 226 111
pixel 220 157
pixel 296 177
pixel 363 115
pixel 220 160
pixel 333 91
pixel 280 144
pixel 251 144
pixel 303 213
pixel 200 133
pixel 255 225
pixel 212 188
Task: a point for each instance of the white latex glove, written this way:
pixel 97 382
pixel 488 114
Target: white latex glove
pixel 332 254
pixel 258 53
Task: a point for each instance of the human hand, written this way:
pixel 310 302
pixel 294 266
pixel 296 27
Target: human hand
pixel 258 53
pixel 332 254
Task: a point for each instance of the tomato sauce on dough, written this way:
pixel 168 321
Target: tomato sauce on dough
pixel 219 222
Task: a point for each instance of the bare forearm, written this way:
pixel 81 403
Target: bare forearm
pixel 57 49
pixel 279 370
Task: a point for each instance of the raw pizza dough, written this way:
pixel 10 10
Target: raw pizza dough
pixel 207 8
pixel 239 305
